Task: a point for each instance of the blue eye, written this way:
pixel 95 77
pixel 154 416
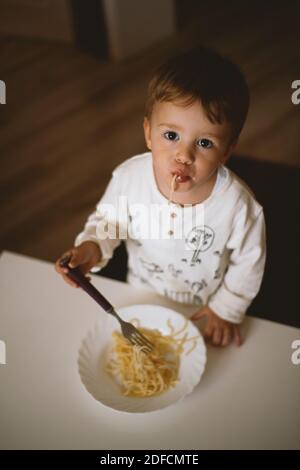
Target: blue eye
pixel 171 135
pixel 205 143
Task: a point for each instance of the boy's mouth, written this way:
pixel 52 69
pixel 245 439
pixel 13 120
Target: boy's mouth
pixel 181 177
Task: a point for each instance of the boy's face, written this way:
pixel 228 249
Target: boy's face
pixel 184 142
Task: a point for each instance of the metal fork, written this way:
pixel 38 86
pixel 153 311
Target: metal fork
pixel 128 329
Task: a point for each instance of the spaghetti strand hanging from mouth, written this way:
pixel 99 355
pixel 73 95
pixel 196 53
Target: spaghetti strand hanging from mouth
pixel 172 189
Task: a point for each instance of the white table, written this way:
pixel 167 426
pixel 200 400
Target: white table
pixel 248 398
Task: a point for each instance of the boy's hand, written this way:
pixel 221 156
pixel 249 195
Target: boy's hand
pixel 85 256
pixel 220 332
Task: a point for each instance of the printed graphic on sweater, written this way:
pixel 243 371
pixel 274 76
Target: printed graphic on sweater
pixel 199 239
pixel 140 278
pixel 175 272
pixel 196 286
pixel 185 297
pixel 218 270
pixel 152 268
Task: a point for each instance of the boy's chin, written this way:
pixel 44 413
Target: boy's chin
pixel 184 185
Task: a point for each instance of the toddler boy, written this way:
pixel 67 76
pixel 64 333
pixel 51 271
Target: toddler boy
pixel 192 228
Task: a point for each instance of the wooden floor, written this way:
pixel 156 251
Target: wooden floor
pixel 71 118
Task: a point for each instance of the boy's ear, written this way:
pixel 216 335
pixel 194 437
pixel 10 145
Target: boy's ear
pixel 147 129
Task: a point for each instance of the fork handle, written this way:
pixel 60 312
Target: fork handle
pixel 77 275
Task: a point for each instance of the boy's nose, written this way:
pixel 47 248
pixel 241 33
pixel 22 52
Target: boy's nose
pixel 184 154
pixel 184 158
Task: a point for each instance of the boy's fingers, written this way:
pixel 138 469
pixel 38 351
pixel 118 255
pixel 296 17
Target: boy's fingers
pixel 208 330
pixel 73 257
pixel 57 263
pixel 78 260
pixel 198 315
pixel 74 261
pixel 69 281
pixel 217 336
pixel 226 337
pixel 237 336
pixel 59 269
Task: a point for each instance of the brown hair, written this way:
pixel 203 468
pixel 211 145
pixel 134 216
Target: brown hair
pixel 204 75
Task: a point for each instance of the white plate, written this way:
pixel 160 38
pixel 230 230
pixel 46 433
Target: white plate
pixel 93 355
